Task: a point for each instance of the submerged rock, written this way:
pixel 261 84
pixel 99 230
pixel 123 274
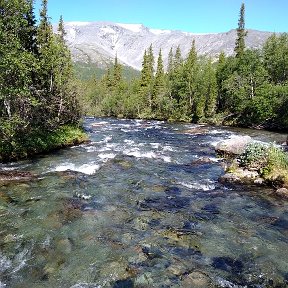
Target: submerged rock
pixel 126 283
pixel 165 203
pixel 228 264
pixel 16 176
pixel 116 270
pixel 4 197
pixel 196 279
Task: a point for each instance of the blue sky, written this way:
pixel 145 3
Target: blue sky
pixel 198 16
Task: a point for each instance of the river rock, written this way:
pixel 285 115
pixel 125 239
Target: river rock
pixel 202 160
pixel 196 130
pixel 282 192
pixel 229 178
pixel 16 176
pixel 4 197
pixel 144 280
pixel 196 279
pixel 235 145
pixel 116 270
pixel 242 176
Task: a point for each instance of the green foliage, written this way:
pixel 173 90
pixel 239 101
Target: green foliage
pixel 255 156
pixel 36 79
pixel 271 161
pixel 40 141
pixel 241 33
pixel 275 54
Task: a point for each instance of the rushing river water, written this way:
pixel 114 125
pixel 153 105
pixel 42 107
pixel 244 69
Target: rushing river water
pixel 140 206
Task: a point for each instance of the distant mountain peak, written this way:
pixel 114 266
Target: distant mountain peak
pixel 99 42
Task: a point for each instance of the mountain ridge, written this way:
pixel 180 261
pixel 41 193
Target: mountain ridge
pixel 99 42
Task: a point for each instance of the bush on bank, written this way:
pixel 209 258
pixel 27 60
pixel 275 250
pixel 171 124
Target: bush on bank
pixel 41 142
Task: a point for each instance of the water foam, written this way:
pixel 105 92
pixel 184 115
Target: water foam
pixel 106 156
pixel 129 142
pixel 88 169
pixel 149 154
pixel 198 186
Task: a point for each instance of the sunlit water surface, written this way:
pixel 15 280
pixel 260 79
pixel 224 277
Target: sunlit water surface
pixel 140 206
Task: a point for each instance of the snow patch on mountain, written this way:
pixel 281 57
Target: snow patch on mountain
pixel 159 31
pixel 132 27
pixel 108 30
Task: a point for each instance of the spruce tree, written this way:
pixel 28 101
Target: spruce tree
pixel 147 76
pixel 44 32
pixel 170 66
pixel 117 72
pixel 159 84
pixel 176 79
pixel 151 61
pixel 210 91
pixel 178 60
pixel 190 78
pixel 241 33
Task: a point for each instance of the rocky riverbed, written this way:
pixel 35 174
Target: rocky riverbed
pixel 141 205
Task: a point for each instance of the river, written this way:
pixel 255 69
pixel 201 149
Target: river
pixel 140 206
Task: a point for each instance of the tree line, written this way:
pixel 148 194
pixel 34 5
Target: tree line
pixel 247 89
pixel 37 94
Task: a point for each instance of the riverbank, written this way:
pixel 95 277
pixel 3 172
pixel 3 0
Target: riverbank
pixel 42 142
pixel 254 163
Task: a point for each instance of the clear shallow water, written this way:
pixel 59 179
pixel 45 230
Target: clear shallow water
pixel 140 206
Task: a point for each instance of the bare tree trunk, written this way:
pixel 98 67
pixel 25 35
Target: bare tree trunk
pixel 8 107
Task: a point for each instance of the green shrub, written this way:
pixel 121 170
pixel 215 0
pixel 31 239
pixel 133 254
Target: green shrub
pixel 271 162
pixel 39 141
pixel 255 156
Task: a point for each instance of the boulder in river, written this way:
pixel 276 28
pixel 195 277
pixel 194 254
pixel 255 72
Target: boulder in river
pixel 235 145
pixel 242 176
pixel 282 192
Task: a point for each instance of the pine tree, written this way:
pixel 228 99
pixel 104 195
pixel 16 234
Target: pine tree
pixel 241 33
pixel 61 30
pixel 147 76
pixel 170 66
pixel 58 98
pixel 151 61
pixel 44 32
pixel 159 84
pixel 117 72
pixel 178 60
pixel 210 92
pixel 221 76
pixel 176 78
pixel 190 78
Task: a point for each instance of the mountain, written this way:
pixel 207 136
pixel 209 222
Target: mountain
pixel 100 42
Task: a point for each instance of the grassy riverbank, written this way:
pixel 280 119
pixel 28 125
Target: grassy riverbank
pixel 269 162
pixel 41 142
